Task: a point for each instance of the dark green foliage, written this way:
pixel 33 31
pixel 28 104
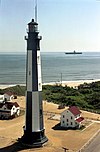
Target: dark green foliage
pixel 1 91
pixel 87 96
pixel 17 90
pixel 91 94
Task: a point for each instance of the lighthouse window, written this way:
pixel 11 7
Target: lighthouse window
pixel 40 84
pixel 38 59
pixel 40 112
pixel 35 27
pixel 38 44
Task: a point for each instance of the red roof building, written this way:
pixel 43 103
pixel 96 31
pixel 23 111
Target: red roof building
pixel 80 119
pixel 9 93
pixel 8 96
pixel 74 110
pixel 71 118
pixel 9 109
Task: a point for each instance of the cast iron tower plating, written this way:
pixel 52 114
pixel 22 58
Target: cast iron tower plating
pixel 34 128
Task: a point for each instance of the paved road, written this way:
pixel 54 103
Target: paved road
pixel 94 146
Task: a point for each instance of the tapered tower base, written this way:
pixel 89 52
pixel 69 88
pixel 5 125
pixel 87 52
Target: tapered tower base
pixel 33 139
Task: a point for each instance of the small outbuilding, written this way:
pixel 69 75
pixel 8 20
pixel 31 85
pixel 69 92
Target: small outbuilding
pixel 71 118
pixel 8 96
pixel 9 110
pixel 1 98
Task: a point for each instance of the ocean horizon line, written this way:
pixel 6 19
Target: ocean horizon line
pixel 24 52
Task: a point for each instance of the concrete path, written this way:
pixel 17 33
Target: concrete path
pixel 94 146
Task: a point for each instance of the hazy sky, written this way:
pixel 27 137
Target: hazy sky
pixel 65 25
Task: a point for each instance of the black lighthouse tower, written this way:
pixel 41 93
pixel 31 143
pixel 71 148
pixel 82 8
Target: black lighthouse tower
pixel 34 132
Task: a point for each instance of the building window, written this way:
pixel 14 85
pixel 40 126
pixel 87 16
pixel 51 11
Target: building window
pixel 71 123
pixel 63 121
pixel 67 120
pixel 71 117
pixel 63 116
pixel 5 99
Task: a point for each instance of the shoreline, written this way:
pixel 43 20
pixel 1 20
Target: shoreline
pixel 74 83
pixel 4 86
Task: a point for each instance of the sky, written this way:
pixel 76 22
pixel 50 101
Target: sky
pixel 65 25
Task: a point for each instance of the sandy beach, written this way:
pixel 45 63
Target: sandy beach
pixel 72 83
pixel 3 86
pixel 64 83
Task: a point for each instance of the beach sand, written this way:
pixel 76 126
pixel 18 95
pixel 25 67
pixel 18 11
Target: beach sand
pixel 4 86
pixel 63 83
pixel 72 83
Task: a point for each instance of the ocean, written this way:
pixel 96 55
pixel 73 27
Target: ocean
pixel 56 66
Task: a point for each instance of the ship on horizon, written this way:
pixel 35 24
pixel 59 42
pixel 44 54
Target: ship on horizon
pixel 74 52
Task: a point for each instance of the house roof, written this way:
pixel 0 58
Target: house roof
pixel 9 93
pixel 80 119
pixel 74 110
pixel 9 105
pixel 1 104
pixel 16 104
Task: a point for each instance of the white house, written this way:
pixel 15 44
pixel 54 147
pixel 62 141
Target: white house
pixel 8 96
pixel 1 98
pixel 71 118
pixel 9 110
